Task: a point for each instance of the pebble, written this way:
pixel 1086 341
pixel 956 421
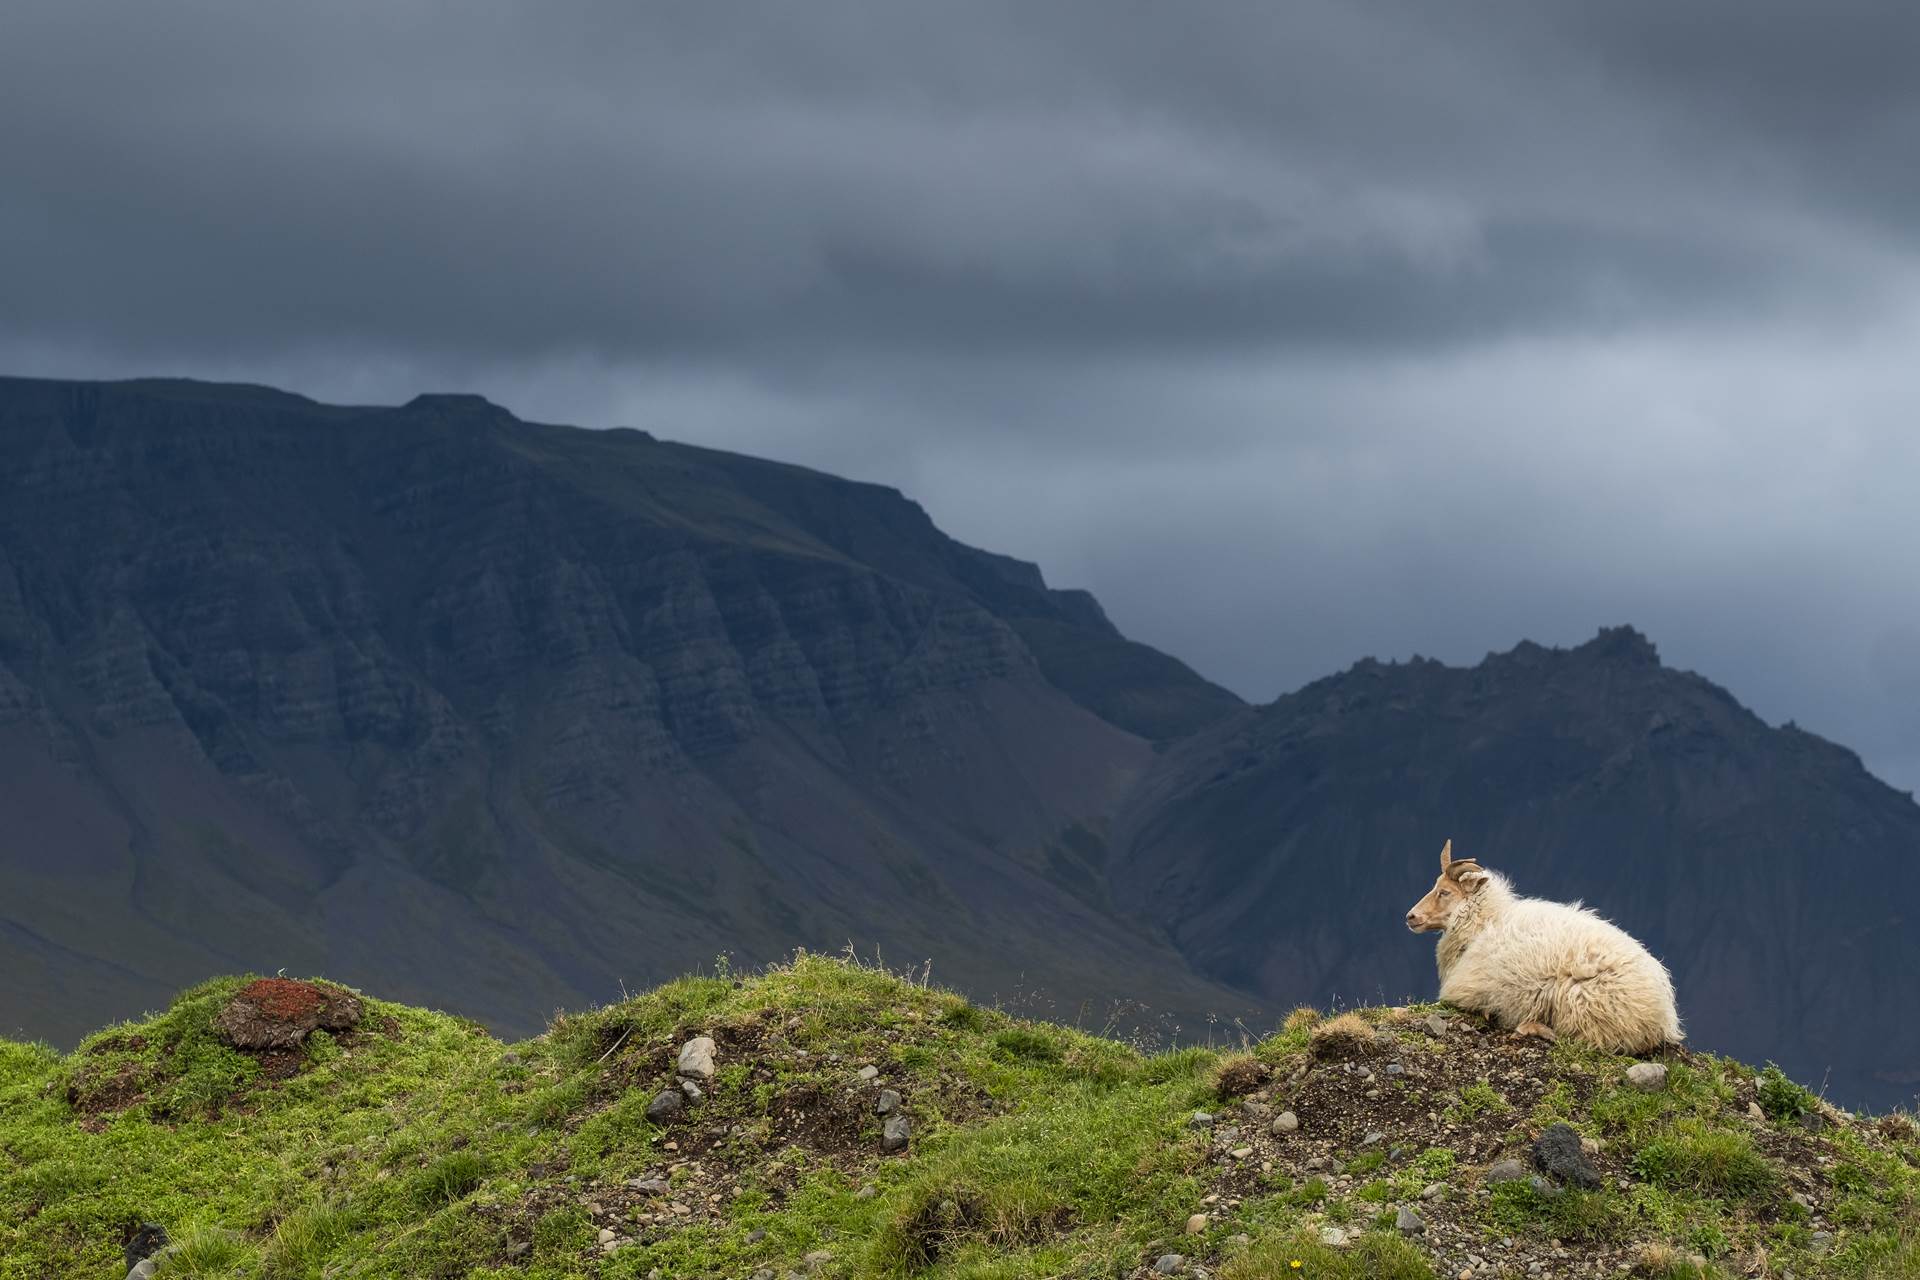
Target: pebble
pixel 1394 1069
pixel 143 1269
pixel 1542 1188
pixel 1201 1120
pixel 897 1133
pixel 1649 1077
pixel 1285 1122
pixel 696 1058
pixel 1257 1110
pixel 887 1103
pixel 1436 1024
pixel 1373 1138
pixel 867 1191
pixel 1755 1113
pixel 665 1105
pixel 692 1090
pixel 1196 1224
pixel 651 1186
pixel 1507 1171
pixel 1557 1151
pixel 869 1072
pixel 1408 1221
pixel 1168 1264
pixel 608 1235
pixel 1433 1191
pixel 1241 1153
pixel 817 1259
pixel 1821 1241
pixel 1333 1237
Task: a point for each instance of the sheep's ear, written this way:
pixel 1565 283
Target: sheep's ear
pixel 1446 856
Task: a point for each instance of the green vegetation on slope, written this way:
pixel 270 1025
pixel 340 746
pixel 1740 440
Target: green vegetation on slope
pixel 415 1145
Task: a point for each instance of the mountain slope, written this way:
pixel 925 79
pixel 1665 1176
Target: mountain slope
pixel 405 694
pixel 1773 874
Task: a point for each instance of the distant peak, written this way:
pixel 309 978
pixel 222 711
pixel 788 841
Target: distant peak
pixel 452 402
pixel 1622 644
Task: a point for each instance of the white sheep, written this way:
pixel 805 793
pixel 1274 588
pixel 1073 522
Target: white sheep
pixel 1543 968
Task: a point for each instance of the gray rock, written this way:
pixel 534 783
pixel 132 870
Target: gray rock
pixel 1542 1187
pixel 1285 1122
pixel 869 1072
pixel 1813 1122
pixel 1409 1221
pixel 897 1132
pixel 1257 1110
pixel 1394 1069
pixel 1507 1171
pixel 1650 1077
pixel 1169 1264
pixel 696 1058
pixel 1373 1138
pixel 692 1090
pixel 1433 1191
pixel 764 1273
pixel 608 1235
pixel 1557 1152
pixel 666 1104
pixel 1333 1237
pixel 817 1259
pixel 1436 1024
pixel 649 1186
pixel 1821 1241
pixel 143 1269
pixel 887 1103
pixel 1201 1120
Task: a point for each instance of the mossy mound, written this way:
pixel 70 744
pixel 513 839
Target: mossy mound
pixel 415 1145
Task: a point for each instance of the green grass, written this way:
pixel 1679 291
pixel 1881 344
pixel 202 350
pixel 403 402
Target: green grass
pixel 424 1148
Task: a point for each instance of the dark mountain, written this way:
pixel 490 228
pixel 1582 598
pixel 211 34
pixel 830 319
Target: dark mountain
pixel 494 715
pixel 1778 879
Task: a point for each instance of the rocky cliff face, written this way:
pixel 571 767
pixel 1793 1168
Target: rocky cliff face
pixel 1771 872
pixel 410 693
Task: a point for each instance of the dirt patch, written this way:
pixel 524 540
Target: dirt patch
pixel 99 1092
pixel 280 1013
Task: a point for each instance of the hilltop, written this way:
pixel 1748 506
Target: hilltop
pixel 846 1122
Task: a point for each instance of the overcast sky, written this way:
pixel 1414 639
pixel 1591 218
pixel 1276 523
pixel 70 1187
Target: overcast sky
pixel 1296 331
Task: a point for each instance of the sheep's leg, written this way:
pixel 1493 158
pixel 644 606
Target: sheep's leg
pixel 1532 1028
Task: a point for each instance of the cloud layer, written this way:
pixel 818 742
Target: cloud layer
pixel 1296 332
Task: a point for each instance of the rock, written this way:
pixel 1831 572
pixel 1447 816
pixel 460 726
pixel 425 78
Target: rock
pixel 1813 1122
pixel 608 1235
pixel 665 1105
pixel 1408 1221
pixel 696 1058
pixel 1241 1153
pixel 692 1091
pixel 1436 1024
pixel 1433 1191
pixel 1373 1138
pixel 1394 1069
pixel 649 1186
pixel 817 1259
pixel 887 1103
pixel 1507 1171
pixel 1285 1122
pixel 867 1191
pixel 142 1241
pixel 145 1269
pixel 1755 1114
pixel 1196 1224
pixel 868 1072
pixel 1169 1264
pixel 1544 1189
pixel 517 1249
pixel 1201 1120
pixel 280 1013
pixel 1257 1110
pixel 1649 1077
pixel 1557 1152
pixel 897 1132
pixel 1333 1237
pixel 1821 1241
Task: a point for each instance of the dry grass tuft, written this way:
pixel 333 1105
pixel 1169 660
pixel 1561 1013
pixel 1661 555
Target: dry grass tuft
pixel 1301 1019
pixel 1899 1126
pixel 1343 1036
pixel 1239 1075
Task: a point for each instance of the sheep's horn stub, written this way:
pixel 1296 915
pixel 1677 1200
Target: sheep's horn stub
pixel 1446 855
pixel 1460 867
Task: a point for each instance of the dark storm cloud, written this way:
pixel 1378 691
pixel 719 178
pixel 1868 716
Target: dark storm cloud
pixel 1296 331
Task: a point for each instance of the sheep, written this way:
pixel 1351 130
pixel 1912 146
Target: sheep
pixel 1539 968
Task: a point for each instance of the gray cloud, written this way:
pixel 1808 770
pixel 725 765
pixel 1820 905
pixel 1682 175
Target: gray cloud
pixel 1296 332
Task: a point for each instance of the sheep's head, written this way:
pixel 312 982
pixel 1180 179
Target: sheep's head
pixel 1460 879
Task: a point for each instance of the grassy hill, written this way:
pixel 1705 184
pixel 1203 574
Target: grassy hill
pixel 415 1145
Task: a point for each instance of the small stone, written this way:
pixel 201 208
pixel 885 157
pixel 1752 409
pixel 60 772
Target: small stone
pixel 1169 1264
pixel 1285 1122
pixel 1333 1237
pixel 817 1259
pixel 1648 1077
pixel 1821 1241
pixel 1257 1110
pixel 1433 1191
pixel 1394 1069
pixel 143 1270
pixel 665 1105
pixel 867 1191
pixel 649 1186
pixel 1542 1188
pixel 608 1235
pixel 1396 1155
pixel 887 1103
pixel 764 1273
pixel 1200 1120
pixel 1507 1171
pixel 1813 1122
pixel 1436 1024
pixel 1196 1224
pixel 696 1058
pixel 897 1133
pixel 1800 1198
pixel 1755 1114
pixel 1241 1153
pixel 869 1072
pixel 1373 1138
pixel 1557 1152
pixel 692 1090
pixel 1408 1221
pixel 518 1248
